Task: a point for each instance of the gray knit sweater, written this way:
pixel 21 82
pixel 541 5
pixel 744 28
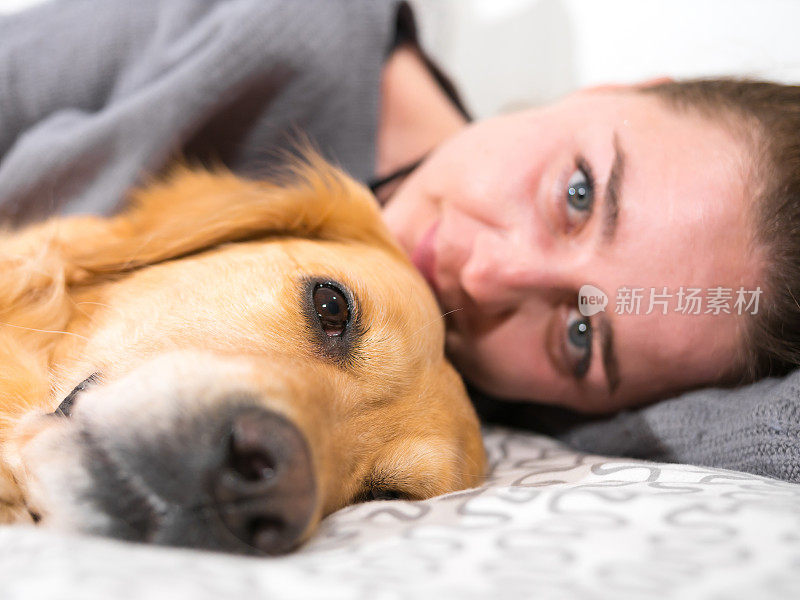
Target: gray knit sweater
pixel 754 428
pixel 97 95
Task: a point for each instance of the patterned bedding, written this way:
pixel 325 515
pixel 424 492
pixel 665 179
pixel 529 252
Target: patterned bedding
pixel 549 523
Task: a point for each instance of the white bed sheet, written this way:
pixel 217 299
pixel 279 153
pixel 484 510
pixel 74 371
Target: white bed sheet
pixel 549 523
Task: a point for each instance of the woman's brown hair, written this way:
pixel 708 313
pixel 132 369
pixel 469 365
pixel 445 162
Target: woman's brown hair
pixel 767 116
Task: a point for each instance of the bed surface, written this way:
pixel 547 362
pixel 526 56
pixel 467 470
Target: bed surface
pixel 549 523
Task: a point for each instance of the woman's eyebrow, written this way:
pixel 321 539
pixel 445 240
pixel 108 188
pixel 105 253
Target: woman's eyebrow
pixel 609 357
pixel 609 228
pixel 611 201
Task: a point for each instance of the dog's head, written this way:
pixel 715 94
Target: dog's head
pixel 240 360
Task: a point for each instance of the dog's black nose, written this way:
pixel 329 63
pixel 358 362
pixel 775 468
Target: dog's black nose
pixel 264 490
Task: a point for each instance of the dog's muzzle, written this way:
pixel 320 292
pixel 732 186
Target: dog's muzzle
pixel 238 480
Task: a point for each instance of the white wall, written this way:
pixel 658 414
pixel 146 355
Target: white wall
pixel 506 53
pixel 8 6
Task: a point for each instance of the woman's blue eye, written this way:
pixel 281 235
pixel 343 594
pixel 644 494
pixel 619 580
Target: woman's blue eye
pixel 580 191
pixel 578 343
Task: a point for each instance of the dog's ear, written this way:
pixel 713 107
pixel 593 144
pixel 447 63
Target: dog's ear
pixel 192 210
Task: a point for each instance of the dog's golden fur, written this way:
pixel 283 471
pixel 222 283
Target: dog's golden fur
pixel 180 275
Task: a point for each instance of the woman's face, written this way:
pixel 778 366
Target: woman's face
pixel 511 217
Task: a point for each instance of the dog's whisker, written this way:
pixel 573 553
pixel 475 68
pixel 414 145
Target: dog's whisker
pixel 117 309
pixel 135 256
pixel 83 337
pixel 437 319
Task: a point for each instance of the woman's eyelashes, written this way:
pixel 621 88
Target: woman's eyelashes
pixel 577 343
pixel 579 196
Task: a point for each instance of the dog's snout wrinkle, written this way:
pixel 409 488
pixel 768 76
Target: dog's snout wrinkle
pixel 139 509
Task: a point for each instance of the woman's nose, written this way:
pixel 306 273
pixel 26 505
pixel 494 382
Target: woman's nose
pixel 502 272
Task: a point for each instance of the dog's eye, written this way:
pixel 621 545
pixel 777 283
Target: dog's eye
pixel 334 323
pixel 386 494
pixel 65 408
pixel 332 310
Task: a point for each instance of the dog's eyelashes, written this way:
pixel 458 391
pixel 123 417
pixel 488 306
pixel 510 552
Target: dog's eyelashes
pixel 65 408
pixel 332 309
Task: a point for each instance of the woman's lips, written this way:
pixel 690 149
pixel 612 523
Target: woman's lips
pixel 424 256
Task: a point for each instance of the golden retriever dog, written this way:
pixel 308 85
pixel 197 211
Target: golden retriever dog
pixel 223 365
